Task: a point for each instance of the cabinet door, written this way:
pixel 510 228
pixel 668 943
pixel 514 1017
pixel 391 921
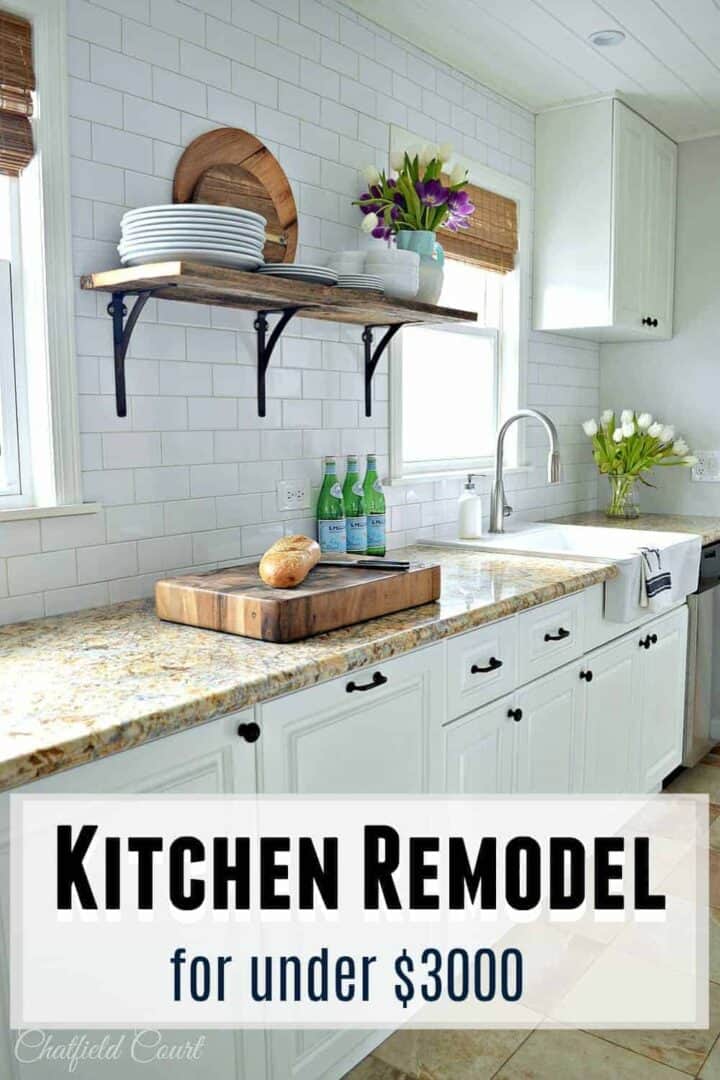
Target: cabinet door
pixel 629 216
pixel 342 738
pixel 607 748
pixel 479 751
pixel 373 732
pixel 662 693
pixel 547 731
pixel 660 183
pixel 207 760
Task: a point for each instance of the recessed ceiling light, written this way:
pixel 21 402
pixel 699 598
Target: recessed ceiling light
pixel 603 38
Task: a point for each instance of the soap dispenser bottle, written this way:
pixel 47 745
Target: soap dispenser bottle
pixel 470 512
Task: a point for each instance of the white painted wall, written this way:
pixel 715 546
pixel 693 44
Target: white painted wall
pixel 679 380
pixel 188 479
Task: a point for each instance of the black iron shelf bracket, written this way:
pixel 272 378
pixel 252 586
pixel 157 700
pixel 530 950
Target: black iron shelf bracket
pixel 123 326
pixel 265 347
pixel 372 357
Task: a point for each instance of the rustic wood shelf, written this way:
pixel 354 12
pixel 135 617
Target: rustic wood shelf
pixel 200 283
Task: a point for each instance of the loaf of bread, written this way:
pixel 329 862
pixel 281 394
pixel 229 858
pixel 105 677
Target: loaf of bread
pixel 289 561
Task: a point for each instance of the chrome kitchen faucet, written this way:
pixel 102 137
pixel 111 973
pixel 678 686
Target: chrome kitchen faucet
pixel 499 509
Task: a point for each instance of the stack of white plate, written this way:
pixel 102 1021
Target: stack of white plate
pixel 318 275
pixel 360 281
pixel 223 235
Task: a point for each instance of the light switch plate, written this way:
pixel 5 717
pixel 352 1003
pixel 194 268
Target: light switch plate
pixel 707 469
pixel 294 494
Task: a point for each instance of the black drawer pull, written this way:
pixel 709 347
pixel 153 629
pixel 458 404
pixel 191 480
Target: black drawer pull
pixel 587 676
pixel 646 642
pixel 493 665
pixel 249 732
pixel 378 679
pixel 560 636
pixel 515 714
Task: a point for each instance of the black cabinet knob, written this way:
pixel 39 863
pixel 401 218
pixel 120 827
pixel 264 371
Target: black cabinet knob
pixel 654 322
pixel 249 732
pixel 492 665
pixel 587 676
pixel 560 636
pixel 645 643
pixel 515 714
pixel 646 320
pixel 653 639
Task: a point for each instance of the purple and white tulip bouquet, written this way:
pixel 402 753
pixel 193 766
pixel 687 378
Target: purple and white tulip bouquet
pixel 414 196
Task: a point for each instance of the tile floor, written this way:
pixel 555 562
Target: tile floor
pixel 571 1055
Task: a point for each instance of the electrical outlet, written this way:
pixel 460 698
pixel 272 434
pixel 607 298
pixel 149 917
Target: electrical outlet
pixel 707 469
pixel 294 494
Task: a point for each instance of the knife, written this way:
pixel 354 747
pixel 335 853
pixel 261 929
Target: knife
pixel 366 564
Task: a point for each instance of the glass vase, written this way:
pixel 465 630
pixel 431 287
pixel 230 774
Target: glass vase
pixel 623 497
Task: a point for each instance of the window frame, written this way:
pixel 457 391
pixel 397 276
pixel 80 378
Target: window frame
pixel 45 319
pixel 513 337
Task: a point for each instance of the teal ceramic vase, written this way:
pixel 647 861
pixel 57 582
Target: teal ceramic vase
pixel 432 260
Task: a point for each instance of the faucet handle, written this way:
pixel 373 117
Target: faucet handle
pixel 507 510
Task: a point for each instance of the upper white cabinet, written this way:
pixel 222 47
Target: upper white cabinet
pixel 604 224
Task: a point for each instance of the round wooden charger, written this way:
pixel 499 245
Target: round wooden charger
pixel 230 167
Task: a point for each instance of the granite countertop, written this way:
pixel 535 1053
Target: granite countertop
pixel 708 528
pixel 82 686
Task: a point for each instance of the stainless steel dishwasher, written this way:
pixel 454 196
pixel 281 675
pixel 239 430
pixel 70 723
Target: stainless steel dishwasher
pixel 702 702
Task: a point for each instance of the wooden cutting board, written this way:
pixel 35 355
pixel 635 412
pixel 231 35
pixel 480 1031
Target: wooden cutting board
pixel 236 601
pixel 231 167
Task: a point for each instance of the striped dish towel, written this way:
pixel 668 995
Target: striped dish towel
pixel 655 582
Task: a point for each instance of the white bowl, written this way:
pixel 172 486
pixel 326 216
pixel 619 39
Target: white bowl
pixel 392 257
pixel 347 262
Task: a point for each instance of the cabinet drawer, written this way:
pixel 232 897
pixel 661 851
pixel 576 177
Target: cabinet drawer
pixel 549 636
pixel 481 666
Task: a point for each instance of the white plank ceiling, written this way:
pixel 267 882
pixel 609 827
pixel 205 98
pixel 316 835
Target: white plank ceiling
pixel 537 52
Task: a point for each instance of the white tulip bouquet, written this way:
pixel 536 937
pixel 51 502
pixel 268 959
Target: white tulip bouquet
pixel 627 448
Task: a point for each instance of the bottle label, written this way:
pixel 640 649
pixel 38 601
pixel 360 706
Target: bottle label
pixel 336 491
pixel 377 486
pixel 357 488
pixel 376 531
pixel 332 535
pixel 357 536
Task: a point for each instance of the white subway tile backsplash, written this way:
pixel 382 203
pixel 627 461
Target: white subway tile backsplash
pixel 35 573
pixel 190 478
pixel 134 522
pixel 216 545
pixel 213 479
pixel 164 553
pixel 107 561
pixel 130 449
pixel 59 601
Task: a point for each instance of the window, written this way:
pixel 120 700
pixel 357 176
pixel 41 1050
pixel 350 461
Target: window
pixel 450 378
pixel 14 472
pixel 451 386
pixel 39 433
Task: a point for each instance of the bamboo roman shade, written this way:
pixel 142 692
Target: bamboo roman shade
pixel 491 241
pixel 17 80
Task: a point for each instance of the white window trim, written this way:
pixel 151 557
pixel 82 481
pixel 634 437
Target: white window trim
pixel 52 372
pixel 514 336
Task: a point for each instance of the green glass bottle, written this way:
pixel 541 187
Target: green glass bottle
pixel 330 512
pixel 355 513
pixel 375 508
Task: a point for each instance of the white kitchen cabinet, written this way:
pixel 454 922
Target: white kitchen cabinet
pixel 607 755
pixel 372 732
pixel 208 760
pixel 661 682
pixel 549 727
pixel 604 223
pixel 480 750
